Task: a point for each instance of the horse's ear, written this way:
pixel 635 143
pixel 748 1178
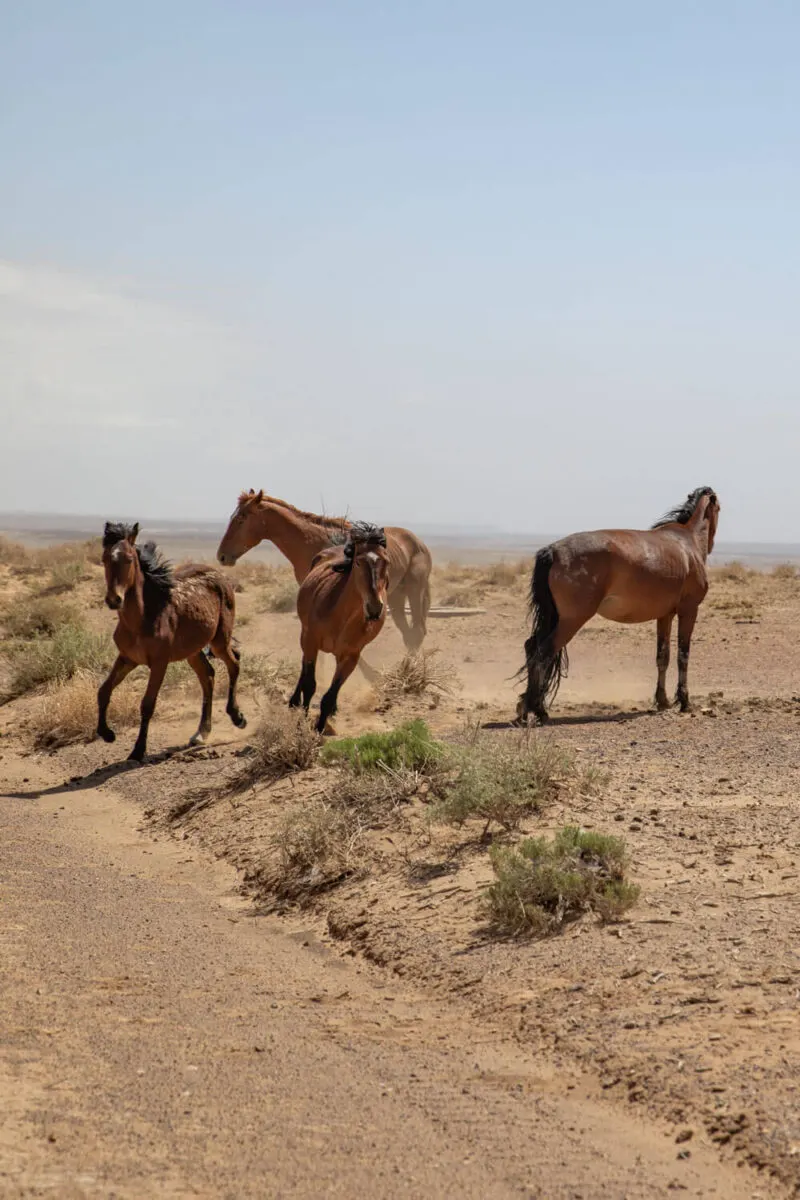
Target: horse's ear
pixel 251 492
pixel 106 529
pixel 260 495
pixel 134 533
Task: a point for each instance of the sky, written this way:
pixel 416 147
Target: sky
pixel 513 265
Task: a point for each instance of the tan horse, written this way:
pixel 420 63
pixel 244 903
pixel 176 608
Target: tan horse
pixel 626 575
pixel 300 536
pixel 165 616
pixel 342 608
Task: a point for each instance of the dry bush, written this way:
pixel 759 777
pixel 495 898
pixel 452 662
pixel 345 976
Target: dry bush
pixel 56 659
pixel 284 742
pixel 414 675
pixel 461 595
pixel 262 674
pixel 539 884
pixel 37 616
pixel 327 840
pixel 278 597
pixel 785 570
pixel 67 712
pixel 12 554
pixel 252 574
pixel 733 572
pixel 65 576
pixel 501 780
pixel 504 574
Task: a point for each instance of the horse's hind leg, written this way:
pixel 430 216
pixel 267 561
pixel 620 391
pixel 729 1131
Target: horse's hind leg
pixel 419 599
pixel 397 607
pixel 686 622
pixel 122 667
pixel 663 634
pixel 157 673
pixel 546 662
pixel 221 645
pixel 205 673
pixel 327 707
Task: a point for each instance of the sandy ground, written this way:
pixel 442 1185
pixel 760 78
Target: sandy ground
pixel 632 1060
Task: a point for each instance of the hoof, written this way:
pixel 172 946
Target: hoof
pixel 197 739
pixel 240 721
pixel 107 735
pixel 136 756
pixel 328 731
pixel 662 704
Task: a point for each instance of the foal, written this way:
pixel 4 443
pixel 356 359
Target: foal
pixel 626 575
pixel 165 616
pixel 342 608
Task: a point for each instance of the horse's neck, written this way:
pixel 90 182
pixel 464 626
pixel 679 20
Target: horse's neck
pixel 698 527
pixel 132 612
pixel 298 538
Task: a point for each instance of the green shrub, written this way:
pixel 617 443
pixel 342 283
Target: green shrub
pixel 410 747
pixel 541 884
pixel 500 780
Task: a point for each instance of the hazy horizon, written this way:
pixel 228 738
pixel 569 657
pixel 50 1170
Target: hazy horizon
pixel 517 267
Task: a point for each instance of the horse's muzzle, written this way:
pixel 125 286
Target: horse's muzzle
pixel 374 614
pixel 227 560
pixel 113 601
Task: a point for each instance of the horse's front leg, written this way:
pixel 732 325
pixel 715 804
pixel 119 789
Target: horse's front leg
pixel 344 669
pixel 122 667
pixel 663 635
pixel 686 622
pixel 205 673
pixel 157 672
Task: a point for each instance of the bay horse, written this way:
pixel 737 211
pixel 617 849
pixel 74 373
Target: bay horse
pixel 342 608
pixel 626 575
pixel 300 536
pixel 165 615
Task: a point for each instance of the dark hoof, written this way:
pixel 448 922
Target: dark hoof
pixel 136 755
pixel 107 735
pixel 240 721
pixel 663 704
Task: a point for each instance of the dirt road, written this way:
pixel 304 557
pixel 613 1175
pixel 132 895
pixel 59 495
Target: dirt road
pixel 157 1039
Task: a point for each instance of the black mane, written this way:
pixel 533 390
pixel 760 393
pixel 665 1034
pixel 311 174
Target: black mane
pixel 116 531
pixel 360 533
pixel 683 512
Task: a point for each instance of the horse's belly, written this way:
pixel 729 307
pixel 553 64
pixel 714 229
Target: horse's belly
pixel 629 611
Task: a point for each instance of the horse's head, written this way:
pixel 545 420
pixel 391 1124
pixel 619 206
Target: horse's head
pixel 119 561
pixel 366 560
pixel 712 516
pixel 242 532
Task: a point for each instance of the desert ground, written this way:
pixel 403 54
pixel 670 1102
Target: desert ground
pixel 238 970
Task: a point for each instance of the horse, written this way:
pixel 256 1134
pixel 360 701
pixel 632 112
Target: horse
pixel 342 608
pixel 165 615
pixel 626 575
pixel 300 536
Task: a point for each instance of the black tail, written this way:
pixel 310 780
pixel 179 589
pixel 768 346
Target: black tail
pixel 544 666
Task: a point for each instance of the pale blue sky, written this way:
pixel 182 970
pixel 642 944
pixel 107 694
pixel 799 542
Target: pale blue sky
pixel 513 264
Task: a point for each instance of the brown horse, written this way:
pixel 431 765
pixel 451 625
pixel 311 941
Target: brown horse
pixel 342 608
pixel 300 536
pixel 165 616
pixel 627 575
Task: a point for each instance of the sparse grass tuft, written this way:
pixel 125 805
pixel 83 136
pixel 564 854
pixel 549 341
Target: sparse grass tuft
pixel 539 884
pixel 785 570
pixel 51 660
pixel 67 712
pixel 414 675
pixel 410 747
pixel 500 780
pixel 284 742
